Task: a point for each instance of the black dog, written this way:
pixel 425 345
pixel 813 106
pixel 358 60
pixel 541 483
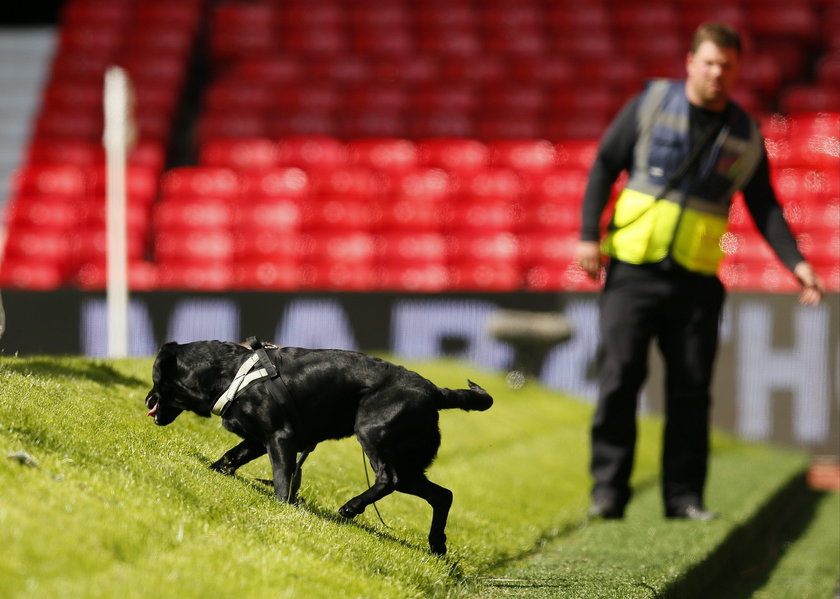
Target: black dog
pixel 315 395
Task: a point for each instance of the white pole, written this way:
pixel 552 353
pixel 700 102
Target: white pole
pixel 116 138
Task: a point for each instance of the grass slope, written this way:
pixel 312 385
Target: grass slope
pixel 118 507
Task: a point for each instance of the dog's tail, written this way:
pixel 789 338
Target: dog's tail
pixel 474 398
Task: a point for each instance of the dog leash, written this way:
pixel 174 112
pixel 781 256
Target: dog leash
pixel 367 479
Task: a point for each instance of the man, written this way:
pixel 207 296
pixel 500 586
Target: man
pixel 663 248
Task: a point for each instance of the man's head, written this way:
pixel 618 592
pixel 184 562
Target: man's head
pixel 712 65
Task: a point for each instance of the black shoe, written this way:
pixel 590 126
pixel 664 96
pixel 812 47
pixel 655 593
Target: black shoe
pixel 606 510
pixel 691 512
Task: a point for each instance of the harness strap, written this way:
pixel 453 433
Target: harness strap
pixel 242 379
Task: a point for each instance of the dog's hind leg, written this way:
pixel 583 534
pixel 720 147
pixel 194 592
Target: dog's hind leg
pixel 440 498
pixel 384 485
pixel 238 456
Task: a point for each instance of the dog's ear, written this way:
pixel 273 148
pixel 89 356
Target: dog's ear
pixel 166 360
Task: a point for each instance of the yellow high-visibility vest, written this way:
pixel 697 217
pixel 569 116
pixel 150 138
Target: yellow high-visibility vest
pixel 689 221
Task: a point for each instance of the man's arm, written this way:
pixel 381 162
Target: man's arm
pixel 615 154
pixel 764 207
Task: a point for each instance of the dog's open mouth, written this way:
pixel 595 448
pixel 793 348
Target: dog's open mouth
pixel 153 405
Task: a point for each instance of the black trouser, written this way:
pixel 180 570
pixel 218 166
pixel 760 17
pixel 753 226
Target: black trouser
pixel 681 310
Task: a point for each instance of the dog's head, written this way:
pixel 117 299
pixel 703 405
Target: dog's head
pixel 179 384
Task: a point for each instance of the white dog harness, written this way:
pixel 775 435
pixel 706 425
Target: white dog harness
pixel 244 377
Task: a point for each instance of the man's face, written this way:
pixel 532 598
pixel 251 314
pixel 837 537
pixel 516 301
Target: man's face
pixel 712 72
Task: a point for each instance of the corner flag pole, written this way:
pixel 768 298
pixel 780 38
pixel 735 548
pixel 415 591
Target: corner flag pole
pixel 116 139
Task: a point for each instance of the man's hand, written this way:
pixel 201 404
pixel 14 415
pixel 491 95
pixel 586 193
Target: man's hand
pixel 589 258
pixel 812 286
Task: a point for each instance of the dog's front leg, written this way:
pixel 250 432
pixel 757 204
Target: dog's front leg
pixel 281 453
pixel 238 456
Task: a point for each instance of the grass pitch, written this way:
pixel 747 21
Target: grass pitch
pixel 99 502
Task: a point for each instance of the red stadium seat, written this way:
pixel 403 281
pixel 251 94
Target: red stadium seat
pixel 335 213
pixel 415 70
pixel 336 276
pixel 450 42
pixel 51 179
pixel 195 277
pixel 50 212
pixel 234 94
pixel 311 152
pixel 490 214
pixel 458 156
pixel 239 153
pixel 201 182
pixel 556 72
pixel 322 40
pixel 77 152
pixel 473 70
pixel 828 69
pixel 485 276
pixel 554 277
pixel 23 273
pixel 383 40
pixel 542 248
pixel 305 122
pixel 493 183
pixel 269 69
pixel 422 184
pixel 810 98
pixel 558 214
pixel 197 246
pixel 266 275
pixel 45 246
pixel 425 278
pixel 507 125
pixel 265 244
pixel 216 124
pixel 372 123
pixel 577 153
pixel 441 124
pixel 393 155
pixel 275 183
pixel 405 214
pixel 336 246
pixel 384 97
pixel 796 20
pixel 564 185
pixel 410 247
pixel 525 156
pixel 482 246
pixel 583 127
pixel 348 182
pixel 436 97
pixel 191 214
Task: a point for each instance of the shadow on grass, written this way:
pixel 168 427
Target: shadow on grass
pixel 266 487
pixel 96 371
pixel 755 569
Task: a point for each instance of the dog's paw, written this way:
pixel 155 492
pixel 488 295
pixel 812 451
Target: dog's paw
pixel 438 545
pixel 348 512
pixel 222 468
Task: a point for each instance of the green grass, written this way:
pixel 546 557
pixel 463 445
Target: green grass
pixel 119 507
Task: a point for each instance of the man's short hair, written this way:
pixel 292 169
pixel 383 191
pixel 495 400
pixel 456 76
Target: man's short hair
pixel 719 34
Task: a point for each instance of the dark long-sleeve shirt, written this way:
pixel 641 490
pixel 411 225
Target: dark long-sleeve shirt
pixel 615 154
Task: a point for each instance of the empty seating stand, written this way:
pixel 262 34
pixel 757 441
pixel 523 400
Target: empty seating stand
pixel 424 146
